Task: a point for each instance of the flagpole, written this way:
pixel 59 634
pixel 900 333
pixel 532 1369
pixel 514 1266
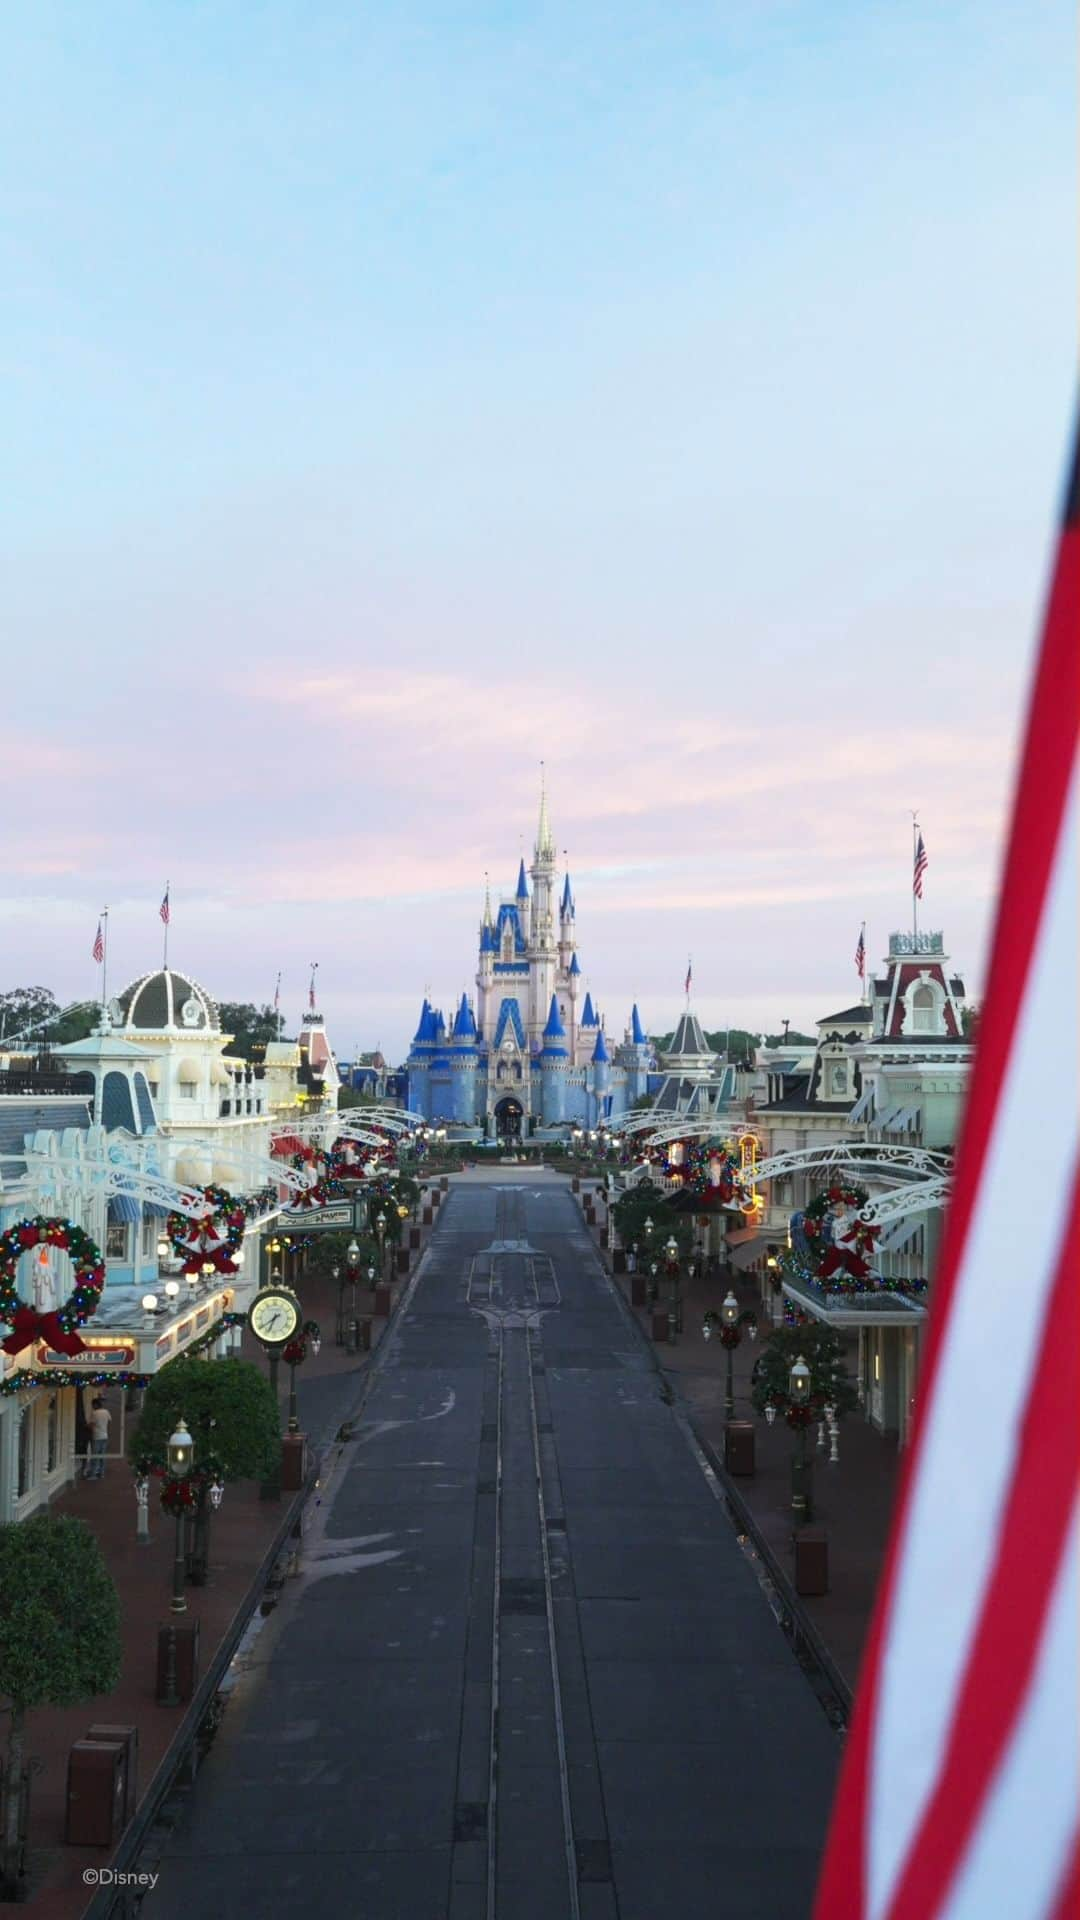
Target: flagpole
pixel 914 895
pixel 104 956
pixel 866 969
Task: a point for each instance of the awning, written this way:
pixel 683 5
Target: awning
pixel 123 1210
pixel 189 1072
pixel 863 1107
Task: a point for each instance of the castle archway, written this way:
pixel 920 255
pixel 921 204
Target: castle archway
pixel 508 1116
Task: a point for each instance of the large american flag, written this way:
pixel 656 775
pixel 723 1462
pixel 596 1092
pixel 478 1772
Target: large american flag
pixel 99 945
pixel 860 954
pixel 921 864
pixel 163 910
pixel 961 1782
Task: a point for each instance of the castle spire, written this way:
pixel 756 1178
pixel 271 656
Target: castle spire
pixel 545 843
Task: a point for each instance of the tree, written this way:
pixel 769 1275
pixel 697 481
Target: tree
pixel 233 1419
pixel 249 1025
pixel 35 1012
pixel 969 1020
pixel 352 1097
pixel 59 1635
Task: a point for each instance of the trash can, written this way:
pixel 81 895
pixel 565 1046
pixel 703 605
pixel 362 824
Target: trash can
pixel 739 1447
pixel 618 1260
pixel 639 1293
pixel 427 1216
pixel 96 1793
pixel 414 1237
pixel 382 1302
pixel 660 1323
pixel 128 1738
pixel 811 1560
pixel 403 1259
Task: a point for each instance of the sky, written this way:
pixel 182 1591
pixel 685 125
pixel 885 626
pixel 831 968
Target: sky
pixel 398 396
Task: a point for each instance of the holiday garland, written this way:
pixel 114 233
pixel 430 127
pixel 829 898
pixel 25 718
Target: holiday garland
pixel 58 1328
pixel 214 1240
pixel 839 1264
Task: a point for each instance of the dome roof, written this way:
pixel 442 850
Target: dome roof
pixel 165 999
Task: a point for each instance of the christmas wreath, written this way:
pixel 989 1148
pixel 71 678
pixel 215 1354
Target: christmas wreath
pixel 215 1239
pixel 295 1351
pixel 58 1328
pixel 844 1259
pixel 712 1174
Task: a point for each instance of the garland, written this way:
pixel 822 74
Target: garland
pixel 58 1328
pixel 180 1493
pixel 214 1240
pixel 82 1377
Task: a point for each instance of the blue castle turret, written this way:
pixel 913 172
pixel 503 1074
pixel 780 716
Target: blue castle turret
pixel 634 1057
pixel 554 1062
pixel 464 1064
pixel 600 1078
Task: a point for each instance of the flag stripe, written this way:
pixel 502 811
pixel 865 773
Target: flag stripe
pixel 1020 1852
pixel 1029 1554
pixel 903 1661
pixel 983 1357
pixel 1068 1902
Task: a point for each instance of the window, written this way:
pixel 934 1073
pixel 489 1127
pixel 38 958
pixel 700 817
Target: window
pixel 188 1090
pixel 52 1435
pixel 838 1078
pixel 923 1010
pixel 22 1469
pixel 116 1240
pixel 148 1238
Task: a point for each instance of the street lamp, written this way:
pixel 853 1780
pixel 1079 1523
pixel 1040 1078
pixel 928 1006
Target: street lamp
pixel 380 1228
pixel 179 1454
pixel 799 1385
pixel 731 1321
pixel 352 1261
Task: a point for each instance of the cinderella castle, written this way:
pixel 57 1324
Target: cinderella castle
pixel 533 1051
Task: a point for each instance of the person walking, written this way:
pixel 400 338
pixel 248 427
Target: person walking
pixel 99 1423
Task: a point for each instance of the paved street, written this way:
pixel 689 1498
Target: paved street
pixel 526 1672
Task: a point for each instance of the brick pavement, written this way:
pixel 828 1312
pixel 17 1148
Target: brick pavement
pixel 853 1499
pixel 243 1534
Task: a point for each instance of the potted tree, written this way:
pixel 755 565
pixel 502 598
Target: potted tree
pixel 59 1644
pixel 233 1419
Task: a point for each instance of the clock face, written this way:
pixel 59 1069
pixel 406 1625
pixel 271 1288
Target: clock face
pixel 189 1013
pixel 274 1317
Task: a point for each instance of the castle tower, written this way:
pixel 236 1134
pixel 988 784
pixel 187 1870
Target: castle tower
pixel 600 1077
pixel 543 952
pixel 464 1065
pixel 633 1056
pixel 554 1063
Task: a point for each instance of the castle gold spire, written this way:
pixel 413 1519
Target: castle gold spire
pixel 545 841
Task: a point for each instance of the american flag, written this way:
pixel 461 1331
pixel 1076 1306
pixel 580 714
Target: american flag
pixel 99 945
pixel 163 910
pixel 689 975
pixel 277 994
pixel 961 1781
pixel 921 864
pixel 860 955
pixel 311 988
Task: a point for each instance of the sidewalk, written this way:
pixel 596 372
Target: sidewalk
pixel 329 1386
pixel 853 1499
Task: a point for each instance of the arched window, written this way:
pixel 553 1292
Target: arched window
pixel 923 1010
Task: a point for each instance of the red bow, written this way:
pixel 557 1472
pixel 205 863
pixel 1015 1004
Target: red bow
pixel 28 1325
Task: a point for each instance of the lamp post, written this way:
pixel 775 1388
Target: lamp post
pixel 731 1322
pixel 339 1324
pixel 380 1229
pixel 799 1384
pixel 352 1261
pixel 179 1454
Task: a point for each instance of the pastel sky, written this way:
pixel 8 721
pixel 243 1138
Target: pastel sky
pixel 397 395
